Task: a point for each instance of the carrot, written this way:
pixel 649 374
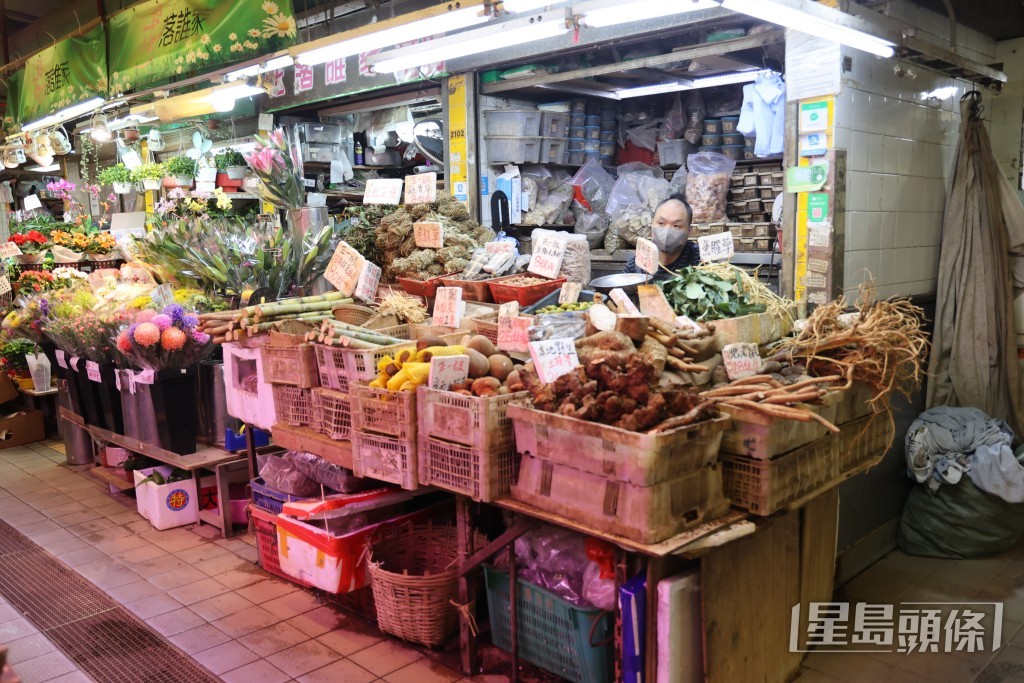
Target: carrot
pixel 773 410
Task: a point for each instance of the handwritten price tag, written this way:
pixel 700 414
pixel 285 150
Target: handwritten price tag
pixel 819 237
pixel 428 235
pixel 623 302
pixel 92 370
pixel 503 247
pixel 383 191
pixel 144 377
pixel 553 358
pixel 61 359
pixel 9 249
pixel 570 293
pixel 32 202
pixel 344 269
pixel 420 188
pixel 5 284
pixel 716 247
pixel 448 370
pixel 741 360
pixel 514 333
pixel 508 309
pixel 448 306
pixel 647 256
pixel 548 253
pixel 369 280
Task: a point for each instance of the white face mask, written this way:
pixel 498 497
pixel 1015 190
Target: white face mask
pixel 668 240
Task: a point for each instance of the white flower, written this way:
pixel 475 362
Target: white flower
pixel 232 36
pixel 217 48
pixel 280 26
pixel 205 40
pixel 270 7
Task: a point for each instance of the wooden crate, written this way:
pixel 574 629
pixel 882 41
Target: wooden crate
pixel 762 487
pixel 758 436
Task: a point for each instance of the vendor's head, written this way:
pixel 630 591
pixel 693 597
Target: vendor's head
pixel 670 227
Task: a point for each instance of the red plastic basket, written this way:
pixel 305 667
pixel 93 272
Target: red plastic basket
pixel 424 288
pixel 472 290
pixel 524 294
pixel 265 525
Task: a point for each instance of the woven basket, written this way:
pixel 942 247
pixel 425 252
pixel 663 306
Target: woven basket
pixel 353 314
pixel 415 575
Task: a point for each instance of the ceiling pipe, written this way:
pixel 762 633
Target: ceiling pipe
pixel 952 24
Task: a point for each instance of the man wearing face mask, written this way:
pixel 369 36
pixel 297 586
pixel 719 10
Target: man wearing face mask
pixel 670 232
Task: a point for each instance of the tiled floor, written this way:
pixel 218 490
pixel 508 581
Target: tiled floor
pixel 206 595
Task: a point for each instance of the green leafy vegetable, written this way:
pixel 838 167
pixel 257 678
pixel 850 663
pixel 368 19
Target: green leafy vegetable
pixel 703 296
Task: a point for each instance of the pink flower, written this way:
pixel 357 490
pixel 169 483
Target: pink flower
pixel 277 138
pixel 145 315
pixel 162 321
pixel 200 337
pixel 172 339
pixel 147 334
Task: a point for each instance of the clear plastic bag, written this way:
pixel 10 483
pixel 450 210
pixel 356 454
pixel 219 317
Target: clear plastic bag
pixel 328 474
pixel 675 120
pixel 281 473
pixel 595 183
pixel 567 325
pixel 707 185
pixel 645 136
pixel 695 113
pixel 593 226
pixel 633 202
pixel 550 209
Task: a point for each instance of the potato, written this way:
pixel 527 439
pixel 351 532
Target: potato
pixel 501 365
pixel 482 344
pixel 427 342
pixel 478 364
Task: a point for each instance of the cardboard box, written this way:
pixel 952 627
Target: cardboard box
pixel 20 428
pixel 8 392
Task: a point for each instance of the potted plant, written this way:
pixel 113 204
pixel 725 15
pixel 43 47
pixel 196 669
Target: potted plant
pixel 12 359
pixel 232 162
pixel 118 175
pixel 32 244
pixel 150 175
pixel 101 246
pixel 206 170
pixel 69 245
pixel 182 169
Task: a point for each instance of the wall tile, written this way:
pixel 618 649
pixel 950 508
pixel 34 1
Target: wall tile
pixel 890 154
pixel 857 152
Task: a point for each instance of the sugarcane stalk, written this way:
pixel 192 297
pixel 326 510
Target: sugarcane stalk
pixel 279 308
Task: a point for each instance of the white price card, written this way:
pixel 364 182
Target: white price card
pixel 344 269
pixel 647 256
pixel 715 247
pixel 508 309
pixel 144 376
pixel 383 191
pixel 420 188
pixel 5 284
pixel 501 247
pixel 570 293
pixel 623 302
pixel 428 235
pixel 369 280
pixel 448 370
pixel 448 306
pixel 32 202
pixel 819 236
pixel 92 369
pixel 547 256
pixel 61 360
pixel 9 249
pixel 741 360
pixel 553 358
pixel 514 333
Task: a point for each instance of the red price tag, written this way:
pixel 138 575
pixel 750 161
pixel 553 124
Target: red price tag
pixel 448 370
pixel 428 235
pixel 553 358
pixel 420 188
pixel 514 333
pixel 547 256
pixel 344 269
pixel 383 191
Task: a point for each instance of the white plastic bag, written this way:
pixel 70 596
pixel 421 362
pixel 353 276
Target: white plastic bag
pixel 39 366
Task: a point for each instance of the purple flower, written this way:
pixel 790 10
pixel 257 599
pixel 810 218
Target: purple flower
pixel 175 312
pixel 201 337
pixel 162 321
pixel 189 321
pixel 111 197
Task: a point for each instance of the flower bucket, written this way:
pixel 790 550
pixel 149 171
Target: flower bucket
pixel 88 395
pixel 167 409
pixel 122 188
pixel 151 183
pixel 30 259
pixel 183 181
pixel 235 172
pixel 110 399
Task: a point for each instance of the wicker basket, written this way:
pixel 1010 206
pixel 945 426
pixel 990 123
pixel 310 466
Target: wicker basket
pixel 414 576
pixel 353 314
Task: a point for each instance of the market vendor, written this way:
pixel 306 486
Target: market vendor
pixel 670 232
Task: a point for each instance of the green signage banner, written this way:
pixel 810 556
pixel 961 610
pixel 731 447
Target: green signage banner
pixel 71 71
pixel 154 42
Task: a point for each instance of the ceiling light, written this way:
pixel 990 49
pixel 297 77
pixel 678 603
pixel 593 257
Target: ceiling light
pixel 785 14
pixel 940 93
pixel 695 84
pixel 222 97
pixel 44 169
pixel 272 64
pixel 599 13
pixel 496 37
pixel 64 115
pixel 100 131
pixel 389 32
pixel 525 5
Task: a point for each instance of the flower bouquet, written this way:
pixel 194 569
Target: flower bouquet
pixel 64 277
pixel 279 169
pixel 167 340
pixel 101 247
pixel 32 244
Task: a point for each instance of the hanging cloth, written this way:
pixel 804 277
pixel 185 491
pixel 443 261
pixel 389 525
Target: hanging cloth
pixel 974 353
pixel 763 114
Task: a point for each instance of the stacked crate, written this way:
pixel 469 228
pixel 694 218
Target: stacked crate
pixel 753 193
pixel 292 373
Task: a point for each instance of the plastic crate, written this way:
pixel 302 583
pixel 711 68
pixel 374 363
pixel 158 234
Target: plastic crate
pixel 269 499
pixel 482 424
pixel 755 435
pixel 265 525
pixel 379 411
pixel 483 476
pixel 552 633
pixel 340 366
pixel 236 441
pixel 864 439
pixel 293 405
pixel 424 288
pixel 293 365
pixel 513 150
pixel 524 294
pixel 554 124
pixel 764 486
pixel 486 328
pixel 512 122
pixel 472 290
pixel 554 150
pixel 385 459
pixel 333 411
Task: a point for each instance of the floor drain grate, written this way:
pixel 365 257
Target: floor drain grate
pixel 102 638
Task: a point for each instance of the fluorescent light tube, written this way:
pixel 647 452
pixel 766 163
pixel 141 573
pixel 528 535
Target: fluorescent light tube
pixel 222 97
pixel 600 13
pixel 272 64
pixel 44 169
pixel 64 115
pixel 391 34
pixel 525 5
pixel 798 20
pixel 695 84
pixel 496 37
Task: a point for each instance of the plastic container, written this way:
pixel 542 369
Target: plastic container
pixel 379 411
pixel 756 436
pixel 579 106
pixel 592 133
pixel 386 459
pixel 764 486
pixel 732 139
pixel 713 126
pixel 577 119
pixel 333 413
pixel 339 367
pixel 514 150
pixel 477 290
pixel 479 423
pixel 716 150
pixel 270 499
pixel 734 152
pixel 246 387
pixel 294 365
pixel 265 525
pixel 554 150
pixel 608 112
pixel 168 505
pixel 729 124
pixel 576 144
pixel 525 295
pixel 592 145
pixel 606 149
pixel 512 122
pixel 711 140
pixel 293 405
pixel 671 152
pixel 484 476
pixel 552 633
pixel 424 288
pixel 608 136
pixel 577 132
pixel 606 160
pixel 554 124
pixel 576 158
pixel 591 153
pixel 592 121
pixel 236 442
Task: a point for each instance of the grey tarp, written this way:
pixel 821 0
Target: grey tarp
pixel 974 353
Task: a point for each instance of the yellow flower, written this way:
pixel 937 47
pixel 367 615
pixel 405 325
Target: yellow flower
pixel 178 70
pixel 205 39
pixel 279 25
pixel 232 36
pixel 270 7
pixel 217 48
